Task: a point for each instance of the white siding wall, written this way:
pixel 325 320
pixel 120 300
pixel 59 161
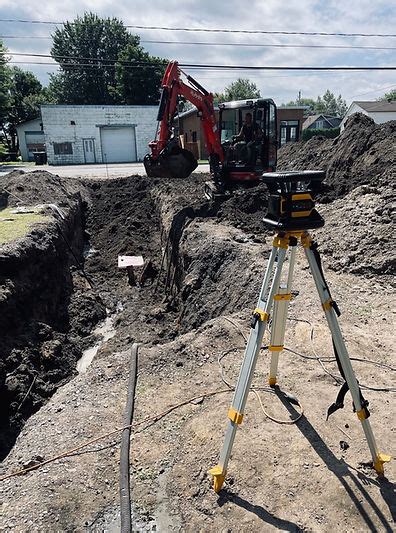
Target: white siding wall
pixel 378 116
pixel 31 125
pixel 88 120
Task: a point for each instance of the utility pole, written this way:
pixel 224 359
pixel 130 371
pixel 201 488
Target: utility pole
pixel 299 98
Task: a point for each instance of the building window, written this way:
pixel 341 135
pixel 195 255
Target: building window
pixel 63 149
pixel 194 136
pixel 319 124
pixel 289 131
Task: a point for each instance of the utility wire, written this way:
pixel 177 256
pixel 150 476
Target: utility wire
pixel 110 62
pixel 265 67
pixel 211 43
pixel 277 45
pixel 215 30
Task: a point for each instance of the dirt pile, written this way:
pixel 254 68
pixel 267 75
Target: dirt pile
pixel 20 188
pixel 47 307
pixel 363 154
pixel 358 235
pixel 360 169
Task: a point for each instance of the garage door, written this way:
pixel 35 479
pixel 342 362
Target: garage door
pixel 118 145
pixel 34 143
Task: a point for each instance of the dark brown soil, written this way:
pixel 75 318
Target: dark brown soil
pixel 207 262
pixel 364 154
pixel 47 307
pixel 294 478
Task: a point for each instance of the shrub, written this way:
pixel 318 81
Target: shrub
pixel 329 133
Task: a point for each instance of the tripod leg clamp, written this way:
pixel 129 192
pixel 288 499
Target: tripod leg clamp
pixel 273 348
pixel 281 241
pixel 258 314
pixel 363 413
pixel 235 416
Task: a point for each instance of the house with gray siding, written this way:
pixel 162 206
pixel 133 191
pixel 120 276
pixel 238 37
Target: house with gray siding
pixel 321 122
pixel 87 134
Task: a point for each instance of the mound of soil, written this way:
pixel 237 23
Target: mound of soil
pixel 363 154
pixel 47 307
pixel 358 235
pixel 245 209
pixel 20 188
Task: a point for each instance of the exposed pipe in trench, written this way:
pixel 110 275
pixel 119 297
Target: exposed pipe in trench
pixel 125 496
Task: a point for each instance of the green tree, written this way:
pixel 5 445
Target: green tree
pixel 328 104
pixel 26 94
pixel 241 89
pixel 97 58
pixel 4 86
pixel 86 50
pixel 389 96
pixel 142 85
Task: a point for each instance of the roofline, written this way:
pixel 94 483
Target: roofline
pixel 376 103
pixel 27 121
pixel 216 108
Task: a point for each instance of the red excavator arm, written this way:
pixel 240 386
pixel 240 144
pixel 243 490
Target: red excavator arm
pixel 167 158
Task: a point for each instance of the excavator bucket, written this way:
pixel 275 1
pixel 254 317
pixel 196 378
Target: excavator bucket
pixel 179 163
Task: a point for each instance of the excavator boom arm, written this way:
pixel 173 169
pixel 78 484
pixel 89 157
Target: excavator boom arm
pixel 159 162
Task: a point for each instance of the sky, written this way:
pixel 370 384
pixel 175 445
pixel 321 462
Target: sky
pixel 352 16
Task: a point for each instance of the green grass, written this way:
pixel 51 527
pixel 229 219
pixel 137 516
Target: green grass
pixel 16 225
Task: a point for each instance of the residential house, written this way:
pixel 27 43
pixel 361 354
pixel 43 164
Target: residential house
pixel 380 111
pixel 78 134
pixel 321 122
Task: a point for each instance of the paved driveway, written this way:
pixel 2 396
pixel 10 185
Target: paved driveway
pixel 89 171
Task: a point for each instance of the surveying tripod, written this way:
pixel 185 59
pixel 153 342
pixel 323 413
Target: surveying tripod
pixel 275 297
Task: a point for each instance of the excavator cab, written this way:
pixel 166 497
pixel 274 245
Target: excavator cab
pixel 246 161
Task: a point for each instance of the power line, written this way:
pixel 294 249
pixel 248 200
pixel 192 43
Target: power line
pixel 217 30
pixel 265 67
pixel 215 67
pixel 374 91
pixel 252 76
pixel 60 59
pixel 48 37
pixel 273 45
pixel 248 45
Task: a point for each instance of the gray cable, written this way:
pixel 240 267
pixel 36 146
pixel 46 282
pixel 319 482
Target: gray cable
pixel 125 495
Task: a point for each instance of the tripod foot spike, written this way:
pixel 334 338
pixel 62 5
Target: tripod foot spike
pixel 218 477
pixel 379 462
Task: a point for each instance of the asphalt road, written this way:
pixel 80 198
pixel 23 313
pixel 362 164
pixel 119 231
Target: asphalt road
pixel 89 171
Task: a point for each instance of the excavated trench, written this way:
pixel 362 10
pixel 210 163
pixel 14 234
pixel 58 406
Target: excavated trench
pixel 61 281
pixel 60 284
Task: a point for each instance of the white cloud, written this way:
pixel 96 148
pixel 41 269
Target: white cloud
pixel 354 16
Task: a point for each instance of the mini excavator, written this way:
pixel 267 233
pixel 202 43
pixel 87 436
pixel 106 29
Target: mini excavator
pixel 231 164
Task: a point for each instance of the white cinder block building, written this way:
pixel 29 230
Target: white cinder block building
pixel 78 134
pixel 380 111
